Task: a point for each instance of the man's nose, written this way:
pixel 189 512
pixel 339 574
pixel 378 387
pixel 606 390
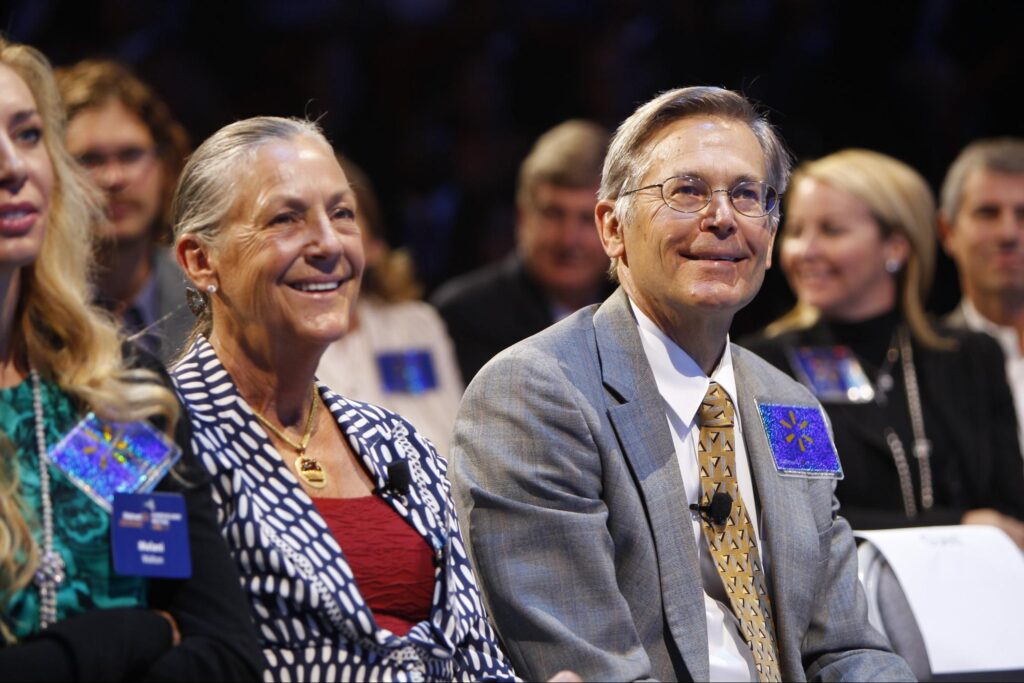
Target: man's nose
pixel 111 175
pixel 1009 225
pixel 720 214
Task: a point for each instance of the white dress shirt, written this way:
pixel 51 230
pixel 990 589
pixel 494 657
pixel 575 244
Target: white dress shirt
pixel 1009 340
pixel 683 385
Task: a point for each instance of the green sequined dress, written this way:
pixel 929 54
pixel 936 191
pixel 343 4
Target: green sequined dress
pixel 81 528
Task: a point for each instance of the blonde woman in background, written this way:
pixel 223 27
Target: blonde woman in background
pixel 64 613
pixel 397 352
pixel 923 418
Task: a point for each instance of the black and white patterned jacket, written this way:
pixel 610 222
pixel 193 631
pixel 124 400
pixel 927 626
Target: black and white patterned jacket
pixel 313 623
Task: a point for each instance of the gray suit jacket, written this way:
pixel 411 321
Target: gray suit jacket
pixel 566 479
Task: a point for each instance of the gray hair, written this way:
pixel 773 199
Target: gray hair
pixel 568 155
pixel 627 161
pixel 209 183
pixel 1003 155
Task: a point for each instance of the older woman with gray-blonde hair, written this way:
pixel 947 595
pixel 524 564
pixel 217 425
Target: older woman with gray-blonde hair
pixel 922 415
pixel 337 512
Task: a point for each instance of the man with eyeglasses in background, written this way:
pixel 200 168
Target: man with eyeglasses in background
pixel 643 499
pixel 125 138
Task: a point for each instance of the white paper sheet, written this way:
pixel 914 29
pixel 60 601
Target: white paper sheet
pixel 965 585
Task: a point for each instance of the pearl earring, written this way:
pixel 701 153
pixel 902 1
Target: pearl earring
pixel 893 265
pixel 211 289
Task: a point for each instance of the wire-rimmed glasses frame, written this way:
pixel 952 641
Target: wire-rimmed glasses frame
pixel 692 194
pixel 132 161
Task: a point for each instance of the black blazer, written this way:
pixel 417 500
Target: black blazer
pixel 490 309
pixel 968 416
pixel 218 637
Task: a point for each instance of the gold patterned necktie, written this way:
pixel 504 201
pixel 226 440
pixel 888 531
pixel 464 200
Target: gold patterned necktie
pixel 732 544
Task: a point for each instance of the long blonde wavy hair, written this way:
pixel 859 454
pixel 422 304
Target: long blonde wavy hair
pixel 901 203
pixel 65 338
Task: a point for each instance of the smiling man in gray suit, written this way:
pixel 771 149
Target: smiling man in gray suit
pixel 643 499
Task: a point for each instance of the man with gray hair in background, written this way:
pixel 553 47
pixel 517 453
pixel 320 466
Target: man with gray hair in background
pixel 981 224
pixel 558 266
pixel 642 498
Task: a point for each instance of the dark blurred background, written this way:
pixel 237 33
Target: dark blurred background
pixel 440 100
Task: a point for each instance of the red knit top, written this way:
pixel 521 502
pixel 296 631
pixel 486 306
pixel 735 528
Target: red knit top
pixel 393 565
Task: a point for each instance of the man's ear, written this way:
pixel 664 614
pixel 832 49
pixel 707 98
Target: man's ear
pixel 773 226
pixel 609 228
pixel 194 258
pixel 946 236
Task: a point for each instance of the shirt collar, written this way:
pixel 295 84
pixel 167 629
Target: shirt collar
pixel 1007 336
pixel 680 380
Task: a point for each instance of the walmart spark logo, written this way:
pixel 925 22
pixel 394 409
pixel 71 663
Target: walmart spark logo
pixel 799 440
pixel 796 431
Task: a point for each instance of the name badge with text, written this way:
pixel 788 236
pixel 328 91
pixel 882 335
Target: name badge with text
pixel 833 373
pixel 407 372
pixel 149 535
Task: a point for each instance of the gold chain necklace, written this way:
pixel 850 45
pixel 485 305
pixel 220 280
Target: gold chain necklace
pixel 307 467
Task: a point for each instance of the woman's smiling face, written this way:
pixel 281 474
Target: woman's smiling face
pixel 289 259
pixel 834 254
pixel 26 174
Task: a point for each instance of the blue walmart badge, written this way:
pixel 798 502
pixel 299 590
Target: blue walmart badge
pixel 407 372
pixel 800 441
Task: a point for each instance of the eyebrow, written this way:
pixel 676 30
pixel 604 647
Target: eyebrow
pixel 740 178
pixel 343 195
pixel 22 116
pixel 293 202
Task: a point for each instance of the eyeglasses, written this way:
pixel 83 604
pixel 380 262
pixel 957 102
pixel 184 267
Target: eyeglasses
pixel 689 194
pixel 132 160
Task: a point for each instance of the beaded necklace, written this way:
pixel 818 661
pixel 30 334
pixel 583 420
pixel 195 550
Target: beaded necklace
pixel 50 573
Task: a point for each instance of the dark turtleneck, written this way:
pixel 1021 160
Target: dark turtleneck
pixel 870 339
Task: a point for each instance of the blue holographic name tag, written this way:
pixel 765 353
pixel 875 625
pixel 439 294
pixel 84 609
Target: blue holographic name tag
pixel 799 440
pixel 103 458
pixel 407 372
pixel 833 373
pixel 149 535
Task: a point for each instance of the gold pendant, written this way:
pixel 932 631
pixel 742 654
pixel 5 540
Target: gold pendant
pixel 311 472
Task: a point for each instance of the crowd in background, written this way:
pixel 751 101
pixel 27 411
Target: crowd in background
pixel 440 100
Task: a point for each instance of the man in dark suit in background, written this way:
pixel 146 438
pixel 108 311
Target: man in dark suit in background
pixel 981 224
pixel 558 266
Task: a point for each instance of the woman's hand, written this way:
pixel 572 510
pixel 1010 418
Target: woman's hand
pixel 175 633
pixel 1014 528
pixel 565 676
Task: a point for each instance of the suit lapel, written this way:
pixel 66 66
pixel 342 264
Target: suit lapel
pixel 787 529
pixel 637 414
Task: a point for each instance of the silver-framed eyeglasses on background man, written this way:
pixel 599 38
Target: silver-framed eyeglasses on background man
pixel 690 194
